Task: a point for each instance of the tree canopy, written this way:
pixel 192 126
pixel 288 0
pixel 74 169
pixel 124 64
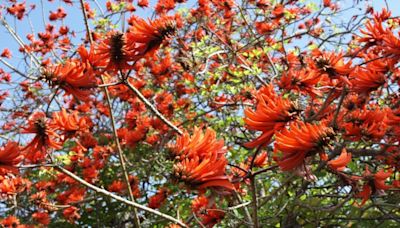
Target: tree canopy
pixel 174 113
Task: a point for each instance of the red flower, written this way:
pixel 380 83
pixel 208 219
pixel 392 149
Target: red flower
pixel 340 162
pixel 17 10
pixel 364 194
pixel 6 53
pixel 45 137
pixel 57 15
pixel 201 161
pixel 375 182
pixel 114 52
pixel 69 123
pixel 72 195
pixel 365 123
pixel 10 221
pixel 13 185
pixel 380 178
pixel 143 3
pixel 260 160
pixel 302 81
pixel 207 211
pixel 9 158
pixel 71 214
pixel 298 142
pixel 41 217
pixel 163 6
pixel 73 77
pixel 392 44
pixel 146 37
pixel 116 186
pixel 365 80
pixel 157 200
pixel 272 114
pixel 134 182
pixel 374 33
pixel 331 65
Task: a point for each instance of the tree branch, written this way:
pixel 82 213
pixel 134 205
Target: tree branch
pixel 118 198
pixel 152 108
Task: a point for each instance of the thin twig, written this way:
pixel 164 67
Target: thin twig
pixel 254 201
pixel 118 198
pixel 15 69
pixel 19 40
pixel 115 134
pixel 152 108
pixel 109 84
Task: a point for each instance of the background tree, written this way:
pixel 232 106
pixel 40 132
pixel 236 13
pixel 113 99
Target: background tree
pixel 237 113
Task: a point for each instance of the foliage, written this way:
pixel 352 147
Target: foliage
pixel 255 113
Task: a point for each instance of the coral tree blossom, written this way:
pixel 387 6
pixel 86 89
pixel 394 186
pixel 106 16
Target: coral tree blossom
pixel 73 78
pixel 200 160
pixel 272 114
pixel 146 37
pixel 45 137
pixel 9 157
pixel 298 142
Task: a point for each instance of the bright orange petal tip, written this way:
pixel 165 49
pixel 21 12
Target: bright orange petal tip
pixel 200 160
pixel 272 114
pixel 299 141
pixel 341 162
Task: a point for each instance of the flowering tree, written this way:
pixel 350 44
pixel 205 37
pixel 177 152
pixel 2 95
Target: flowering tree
pixel 255 113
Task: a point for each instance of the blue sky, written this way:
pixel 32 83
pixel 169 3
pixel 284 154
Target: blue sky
pixel 36 22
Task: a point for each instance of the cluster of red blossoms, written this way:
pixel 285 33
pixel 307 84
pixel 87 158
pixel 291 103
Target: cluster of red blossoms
pixel 323 109
pixel 344 99
pixel 79 77
pixel 200 161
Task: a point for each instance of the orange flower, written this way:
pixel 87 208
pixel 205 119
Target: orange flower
pixel 201 160
pixel 114 52
pixel 7 186
pixel 45 137
pixel 41 217
pixel 340 162
pixel 380 178
pixel 70 123
pixel 365 123
pixel 116 186
pixel 143 3
pixel 10 221
pixel 272 114
pixel 9 158
pixel 72 195
pixel 134 182
pixel 366 81
pixel 146 37
pixel 157 200
pixel 14 185
pixel 90 59
pixel 374 33
pixel 298 142
pixel 375 182
pixel 203 173
pixel 331 65
pixel 392 44
pixel 207 211
pixel 198 144
pixel 73 78
pixel 301 81
pixel 71 214
pixel 18 10
pixel 364 194
pixel 260 160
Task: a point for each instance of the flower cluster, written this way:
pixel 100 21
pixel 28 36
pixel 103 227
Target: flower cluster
pixel 200 160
